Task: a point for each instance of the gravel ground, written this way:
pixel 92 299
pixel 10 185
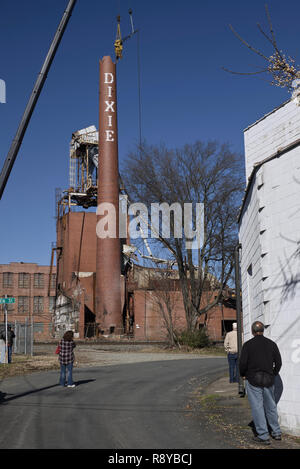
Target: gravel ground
pixel 91 354
pixel 115 354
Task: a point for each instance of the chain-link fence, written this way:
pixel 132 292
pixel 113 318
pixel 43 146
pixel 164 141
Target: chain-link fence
pixel 23 343
pixel 23 340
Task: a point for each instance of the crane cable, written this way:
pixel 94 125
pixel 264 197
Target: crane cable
pixel 139 90
pixel 119 53
pixel 119 41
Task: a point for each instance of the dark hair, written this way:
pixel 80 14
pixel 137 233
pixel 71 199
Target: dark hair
pixel 68 336
pixel 257 326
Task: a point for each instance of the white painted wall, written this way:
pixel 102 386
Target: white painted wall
pixel 270 237
pixel 275 130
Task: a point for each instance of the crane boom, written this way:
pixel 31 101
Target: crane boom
pixel 17 141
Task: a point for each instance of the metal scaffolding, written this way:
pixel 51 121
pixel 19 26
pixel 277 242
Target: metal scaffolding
pixel 83 172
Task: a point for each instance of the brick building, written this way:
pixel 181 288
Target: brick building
pixel 150 295
pixel 142 317
pixel 33 288
pixel 76 271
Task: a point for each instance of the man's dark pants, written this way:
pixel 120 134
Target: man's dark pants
pixel 233 367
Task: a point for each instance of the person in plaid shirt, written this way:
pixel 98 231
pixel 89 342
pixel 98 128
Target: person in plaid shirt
pixel 66 359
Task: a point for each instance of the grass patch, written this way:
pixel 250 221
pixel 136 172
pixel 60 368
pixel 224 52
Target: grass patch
pixel 211 350
pixel 208 401
pixel 23 364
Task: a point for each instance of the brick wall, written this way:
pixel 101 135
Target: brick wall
pixel 150 325
pixel 76 235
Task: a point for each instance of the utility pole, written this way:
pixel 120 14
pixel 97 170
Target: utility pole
pixel 6 330
pixel 239 311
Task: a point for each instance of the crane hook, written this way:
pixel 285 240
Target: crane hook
pixel 118 42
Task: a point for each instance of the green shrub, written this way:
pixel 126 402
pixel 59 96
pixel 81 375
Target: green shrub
pixel 194 339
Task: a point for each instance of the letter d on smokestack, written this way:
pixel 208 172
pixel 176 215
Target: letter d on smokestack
pixel 108 287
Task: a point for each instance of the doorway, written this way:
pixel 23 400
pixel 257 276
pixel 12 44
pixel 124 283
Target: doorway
pixel 89 323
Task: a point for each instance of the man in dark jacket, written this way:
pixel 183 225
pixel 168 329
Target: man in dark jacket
pixel 260 362
pixel 10 341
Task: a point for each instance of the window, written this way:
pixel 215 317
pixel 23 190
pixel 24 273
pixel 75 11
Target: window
pixel 24 280
pixel 38 304
pixel 53 281
pixel 51 303
pixel 38 280
pixel 38 327
pixel 7 279
pixel 23 304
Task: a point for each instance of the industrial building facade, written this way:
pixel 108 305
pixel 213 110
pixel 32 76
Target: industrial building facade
pixel 34 288
pixel 72 304
pixel 142 294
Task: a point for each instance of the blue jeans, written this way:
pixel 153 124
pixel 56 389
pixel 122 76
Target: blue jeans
pixel 233 367
pixel 63 370
pixel 264 410
pixel 9 353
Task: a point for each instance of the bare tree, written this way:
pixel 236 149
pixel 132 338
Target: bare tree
pixel 208 173
pixel 164 296
pixel 282 68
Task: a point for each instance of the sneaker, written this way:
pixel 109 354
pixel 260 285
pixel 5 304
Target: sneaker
pixel 276 437
pixel 71 386
pixel 259 440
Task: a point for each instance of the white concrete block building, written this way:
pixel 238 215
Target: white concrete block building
pixel 269 233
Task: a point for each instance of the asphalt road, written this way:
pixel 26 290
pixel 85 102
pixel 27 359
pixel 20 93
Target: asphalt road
pixel 132 406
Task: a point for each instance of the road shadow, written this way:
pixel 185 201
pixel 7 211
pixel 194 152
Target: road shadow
pixel 4 399
pixel 83 381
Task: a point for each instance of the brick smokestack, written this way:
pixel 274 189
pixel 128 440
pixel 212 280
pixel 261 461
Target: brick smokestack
pixel 108 262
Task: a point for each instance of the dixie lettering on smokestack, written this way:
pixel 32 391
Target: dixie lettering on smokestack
pixel 108 263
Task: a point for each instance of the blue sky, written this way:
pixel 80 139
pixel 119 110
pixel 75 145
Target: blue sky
pixel 185 94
